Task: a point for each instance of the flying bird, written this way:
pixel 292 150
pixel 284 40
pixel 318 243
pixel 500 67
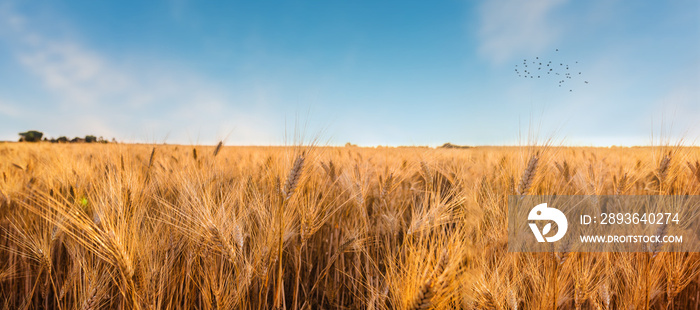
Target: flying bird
pixel 562 75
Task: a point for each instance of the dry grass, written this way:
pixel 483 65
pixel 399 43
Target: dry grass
pixel 175 227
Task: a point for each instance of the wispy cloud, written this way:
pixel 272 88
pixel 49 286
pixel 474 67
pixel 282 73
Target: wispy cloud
pixel 96 93
pixel 81 77
pixel 516 27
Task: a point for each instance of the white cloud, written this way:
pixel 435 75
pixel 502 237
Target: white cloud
pixel 96 93
pixel 78 75
pixel 510 27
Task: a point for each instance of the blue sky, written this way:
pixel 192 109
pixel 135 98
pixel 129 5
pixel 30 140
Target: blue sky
pixel 366 72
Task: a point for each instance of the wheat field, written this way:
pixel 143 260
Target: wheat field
pixel 118 226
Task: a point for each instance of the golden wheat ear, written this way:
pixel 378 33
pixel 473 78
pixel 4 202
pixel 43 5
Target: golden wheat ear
pixel 218 148
pixel 294 176
pixel 662 171
pixel 528 175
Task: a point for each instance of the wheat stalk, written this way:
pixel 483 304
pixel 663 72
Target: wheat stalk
pixel 150 159
pixel 695 170
pixel 663 168
pixel 424 297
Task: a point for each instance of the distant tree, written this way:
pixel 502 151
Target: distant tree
pixel 62 139
pixel 453 146
pixel 30 136
pixel 90 139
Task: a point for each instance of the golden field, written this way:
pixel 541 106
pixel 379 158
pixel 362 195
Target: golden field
pixel 116 226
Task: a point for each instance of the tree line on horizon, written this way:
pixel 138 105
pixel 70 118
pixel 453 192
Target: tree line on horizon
pixel 36 136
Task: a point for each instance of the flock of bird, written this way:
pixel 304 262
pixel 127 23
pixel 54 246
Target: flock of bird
pixel 540 68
